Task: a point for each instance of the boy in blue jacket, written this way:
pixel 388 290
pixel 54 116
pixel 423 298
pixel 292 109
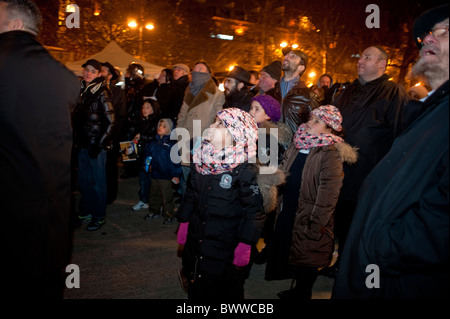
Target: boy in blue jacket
pixel 163 172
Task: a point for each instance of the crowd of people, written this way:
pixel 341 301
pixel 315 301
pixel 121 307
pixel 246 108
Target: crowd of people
pixel 273 171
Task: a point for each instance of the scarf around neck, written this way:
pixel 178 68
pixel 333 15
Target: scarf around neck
pixel 209 161
pixel 306 141
pixel 199 80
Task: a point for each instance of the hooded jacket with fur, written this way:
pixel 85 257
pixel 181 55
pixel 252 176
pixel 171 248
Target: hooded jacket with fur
pixel 322 176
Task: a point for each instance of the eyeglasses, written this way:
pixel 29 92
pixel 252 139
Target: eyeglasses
pixel 436 32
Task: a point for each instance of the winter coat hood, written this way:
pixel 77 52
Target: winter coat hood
pixel 268 184
pixel 348 153
pixel 285 134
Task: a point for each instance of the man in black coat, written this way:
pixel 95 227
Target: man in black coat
pixel 36 95
pixel 237 93
pixel 94 125
pixel 398 244
pixel 370 107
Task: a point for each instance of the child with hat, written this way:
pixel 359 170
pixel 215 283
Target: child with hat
pixel 222 212
pixel 303 239
pixel 163 172
pixel 273 139
pixel 266 111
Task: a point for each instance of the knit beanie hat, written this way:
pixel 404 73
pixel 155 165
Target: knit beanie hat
pixel 273 69
pixel 270 105
pixel 329 114
pixel 241 124
pixel 168 122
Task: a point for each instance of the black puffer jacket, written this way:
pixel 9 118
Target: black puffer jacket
pixel 297 104
pixel 222 210
pixel 93 117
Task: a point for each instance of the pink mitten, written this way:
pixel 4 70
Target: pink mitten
pixel 242 255
pixel 182 233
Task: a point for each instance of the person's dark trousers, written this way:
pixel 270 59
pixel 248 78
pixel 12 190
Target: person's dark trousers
pixel 112 175
pixel 92 183
pixel 305 277
pixel 144 186
pixel 343 216
pixel 161 195
pixel 230 286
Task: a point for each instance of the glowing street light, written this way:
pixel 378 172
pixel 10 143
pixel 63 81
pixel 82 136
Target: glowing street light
pixel 283 44
pixel 132 23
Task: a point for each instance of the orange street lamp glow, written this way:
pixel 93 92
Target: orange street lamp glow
pixel 132 24
pixel 283 44
pixel 149 26
pixel 312 74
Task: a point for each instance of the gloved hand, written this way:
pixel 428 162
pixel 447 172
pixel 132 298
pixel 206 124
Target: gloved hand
pixel 93 151
pixel 182 233
pixel 242 255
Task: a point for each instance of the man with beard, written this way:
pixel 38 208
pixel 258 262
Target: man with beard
pixel 236 92
pixel 297 99
pixel 398 244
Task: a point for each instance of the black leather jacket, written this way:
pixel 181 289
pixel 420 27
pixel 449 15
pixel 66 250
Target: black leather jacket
pixel 93 118
pixel 297 104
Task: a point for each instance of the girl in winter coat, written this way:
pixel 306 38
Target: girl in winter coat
pixel 273 139
pixel 222 211
pixel 146 125
pixel 315 158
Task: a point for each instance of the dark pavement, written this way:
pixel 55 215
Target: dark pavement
pixel 130 258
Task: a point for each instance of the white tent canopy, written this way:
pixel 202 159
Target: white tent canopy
pixel 115 55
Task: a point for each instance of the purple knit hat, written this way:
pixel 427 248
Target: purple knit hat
pixel 329 114
pixel 270 105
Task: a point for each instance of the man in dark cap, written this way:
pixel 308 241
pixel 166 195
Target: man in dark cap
pixel 93 124
pixel 37 94
pixel 237 93
pixel 269 80
pixel 297 99
pixel 111 75
pixel 398 244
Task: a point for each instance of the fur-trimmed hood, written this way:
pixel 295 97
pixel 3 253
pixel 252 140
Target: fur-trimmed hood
pixel 285 134
pixel 349 154
pixel 268 184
